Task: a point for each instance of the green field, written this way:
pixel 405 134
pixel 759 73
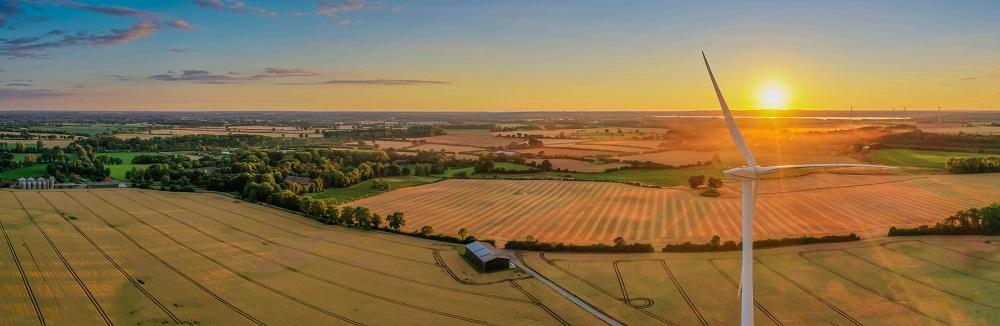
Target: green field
pixel 364 189
pixel 33 171
pixel 88 129
pixel 118 171
pixel 656 177
pixel 918 158
pixel 469 170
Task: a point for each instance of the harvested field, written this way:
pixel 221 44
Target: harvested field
pixel 579 165
pixel 588 212
pixel 147 257
pixel 444 148
pixel 674 158
pixel 763 158
pixel 286 132
pixel 583 132
pixel 904 281
pixel 566 152
pixel 610 148
pixel 651 144
pixel 386 144
pixel 470 137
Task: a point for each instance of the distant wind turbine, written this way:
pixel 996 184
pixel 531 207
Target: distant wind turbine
pixel 749 175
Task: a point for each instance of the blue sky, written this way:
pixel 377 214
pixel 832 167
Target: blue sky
pixel 502 55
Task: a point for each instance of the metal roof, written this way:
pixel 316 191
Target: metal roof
pixel 484 251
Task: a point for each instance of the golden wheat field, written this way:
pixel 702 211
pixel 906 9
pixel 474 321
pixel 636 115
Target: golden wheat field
pixel 887 281
pixel 85 257
pixel 588 212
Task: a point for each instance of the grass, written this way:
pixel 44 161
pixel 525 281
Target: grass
pixel 36 170
pixel 917 158
pixel 364 189
pixel 656 177
pixel 118 171
pixel 469 170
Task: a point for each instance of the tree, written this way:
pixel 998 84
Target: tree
pixel 396 220
pixel 696 181
pixel 546 165
pixel 318 209
pixel 714 183
pixel 347 215
pixel 363 217
pixel 426 230
pixel 620 242
pixel 484 165
pixel 376 221
pixel 463 233
pixel 332 215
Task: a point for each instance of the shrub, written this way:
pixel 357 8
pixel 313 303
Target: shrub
pixel 711 193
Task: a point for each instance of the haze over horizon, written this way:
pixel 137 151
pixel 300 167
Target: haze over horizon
pixel 359 55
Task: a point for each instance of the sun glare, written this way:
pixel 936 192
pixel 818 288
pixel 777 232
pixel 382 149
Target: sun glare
pixel 773 94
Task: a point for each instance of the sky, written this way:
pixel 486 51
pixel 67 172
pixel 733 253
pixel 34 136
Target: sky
pixel 436 55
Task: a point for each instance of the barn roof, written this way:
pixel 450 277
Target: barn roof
pixel 484 251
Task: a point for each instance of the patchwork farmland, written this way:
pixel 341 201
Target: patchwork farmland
pixel 589 212
pixel 147 257
pixel 902 281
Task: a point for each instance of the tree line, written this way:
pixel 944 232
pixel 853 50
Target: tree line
pixel 618 245
pixel 973 221
pixel 716 243
pixel 968 165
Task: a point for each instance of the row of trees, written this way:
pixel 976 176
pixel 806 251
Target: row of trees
pixel 716 243
pixel 973 221
pixel 619 245
pixel 966 165
pixel 699 181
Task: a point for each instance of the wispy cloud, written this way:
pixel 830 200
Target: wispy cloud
pixel 110 10
pixel 238 7
pixel 8 8
pixel 382 82
pixel 37 47
pixel 196 76
pixel 182 24
pixel 176 50
pixel 986 76
pixel 334 7
pixel 27 94
pixel 285 72
pixel 18 85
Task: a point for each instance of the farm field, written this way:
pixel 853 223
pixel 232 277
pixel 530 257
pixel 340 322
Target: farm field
pixel 31 143
pixel 954 128
pixel 586 133
pixel 364 189
pixel 286 132
pixel 146 257
pixel 36 170
pixel 589 212
pixel 674 158
pixel 901 281
pixel 566 152
pixel 918 158
pixel 599 147
pixel 470 137
pixel 579 165
pixel 444 148
pixel 471 172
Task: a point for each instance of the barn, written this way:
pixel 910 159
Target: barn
pixel 485 256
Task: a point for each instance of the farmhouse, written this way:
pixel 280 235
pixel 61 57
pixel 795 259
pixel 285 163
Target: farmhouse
pixel 485 256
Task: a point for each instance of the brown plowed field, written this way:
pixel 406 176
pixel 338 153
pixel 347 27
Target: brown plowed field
pixel 587 212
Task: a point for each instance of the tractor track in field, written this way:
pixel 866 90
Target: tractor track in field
pixel 344 262
pixel 24 277
pixel 828 304
pixel 735 284
pixel 234 272
pixel 869 289
pixel 928 261
pixel 539 303
pixel 312 237
pixel 914 280
pixel 171 267
pixel 624 298
pixel 313 276
pixel 62 258
pixel 670 275
pixel 128 277
pixel 954 250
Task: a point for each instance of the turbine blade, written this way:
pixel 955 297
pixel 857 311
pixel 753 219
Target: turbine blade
pixel 780 168
pixel 734 131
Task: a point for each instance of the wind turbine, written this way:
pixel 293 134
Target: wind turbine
pixel 749 175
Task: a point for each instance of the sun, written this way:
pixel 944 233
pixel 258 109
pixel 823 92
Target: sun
pixel 773 94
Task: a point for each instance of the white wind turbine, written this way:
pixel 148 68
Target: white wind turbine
pixel 749 175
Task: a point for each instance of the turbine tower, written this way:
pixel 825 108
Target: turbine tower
pixel 749 175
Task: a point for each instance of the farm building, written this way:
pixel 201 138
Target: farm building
pixel 485 256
